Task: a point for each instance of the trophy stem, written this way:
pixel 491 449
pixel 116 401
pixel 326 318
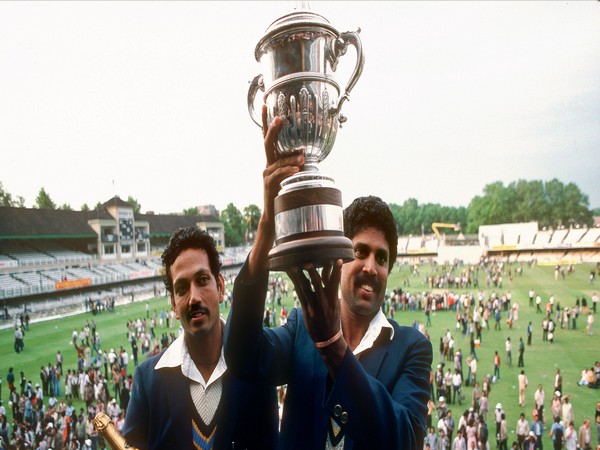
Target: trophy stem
pixel 309 226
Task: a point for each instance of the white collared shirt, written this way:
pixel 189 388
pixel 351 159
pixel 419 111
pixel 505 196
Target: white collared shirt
pixel 177 354
pixel 377 324
pixel 206 395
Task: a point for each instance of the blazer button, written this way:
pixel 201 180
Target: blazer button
pixel 344 417
pixel 337 410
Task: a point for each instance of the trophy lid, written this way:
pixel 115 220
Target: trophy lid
pixel 303 18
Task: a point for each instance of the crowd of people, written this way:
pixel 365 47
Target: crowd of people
pixel 474 314
pixel 43 415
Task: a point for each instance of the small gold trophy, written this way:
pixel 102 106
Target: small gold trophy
pixel 109 432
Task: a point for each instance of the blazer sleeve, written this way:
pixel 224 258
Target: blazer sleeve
pixel 135 429
pixel 253 353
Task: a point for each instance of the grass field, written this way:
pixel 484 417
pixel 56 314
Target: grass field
pixel 571 351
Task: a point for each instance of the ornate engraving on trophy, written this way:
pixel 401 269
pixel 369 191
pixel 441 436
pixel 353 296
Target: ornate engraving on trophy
pixel 300 53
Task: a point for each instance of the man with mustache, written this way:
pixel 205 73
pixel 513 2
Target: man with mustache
pixel 185 397
pixel 355 380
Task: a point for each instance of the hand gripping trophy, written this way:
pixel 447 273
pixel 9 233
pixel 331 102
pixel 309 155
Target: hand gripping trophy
pixel 299 53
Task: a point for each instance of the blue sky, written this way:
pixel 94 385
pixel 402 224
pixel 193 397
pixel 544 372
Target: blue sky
pixel 148 99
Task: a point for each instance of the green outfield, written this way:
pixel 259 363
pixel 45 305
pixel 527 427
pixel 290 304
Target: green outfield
pixel 571 351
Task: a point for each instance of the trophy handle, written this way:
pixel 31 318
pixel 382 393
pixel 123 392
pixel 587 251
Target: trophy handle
pixel 256 84
pixel 340 45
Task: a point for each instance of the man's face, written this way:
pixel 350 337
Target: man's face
pixel 364 280
pixel 196 293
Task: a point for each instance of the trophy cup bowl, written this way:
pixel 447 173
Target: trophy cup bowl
pixel 300 52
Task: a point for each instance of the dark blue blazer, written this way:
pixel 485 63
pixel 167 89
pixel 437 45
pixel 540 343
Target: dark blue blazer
pixel 159 415
pixel 379 397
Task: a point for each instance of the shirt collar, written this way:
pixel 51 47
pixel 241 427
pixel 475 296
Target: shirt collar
pixel 376 326
pixel 177 355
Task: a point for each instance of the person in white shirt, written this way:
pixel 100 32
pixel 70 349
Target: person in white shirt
pixel 508 347
pixel 522 429
pixel 523 382
pixel 456 386
pixel 459 442
pixel 539 399
pixel 570 437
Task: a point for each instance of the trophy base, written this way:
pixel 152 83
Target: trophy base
pixel 320 251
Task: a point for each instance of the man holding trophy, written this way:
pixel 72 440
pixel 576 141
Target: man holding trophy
pixel 355 380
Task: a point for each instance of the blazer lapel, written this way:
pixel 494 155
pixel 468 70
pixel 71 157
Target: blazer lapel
pixel 373 359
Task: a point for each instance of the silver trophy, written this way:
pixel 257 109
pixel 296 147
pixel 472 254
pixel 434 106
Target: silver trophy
pixel 299 53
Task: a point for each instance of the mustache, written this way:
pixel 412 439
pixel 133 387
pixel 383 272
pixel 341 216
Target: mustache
pixel 367 279
pixel 198 308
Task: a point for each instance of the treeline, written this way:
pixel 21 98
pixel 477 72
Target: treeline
pixel 550 203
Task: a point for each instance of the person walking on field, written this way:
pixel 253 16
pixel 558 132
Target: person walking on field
pixel 521 363
pixel 522 385
pixel 522 429
pixel 497 365
pixel 584 436
pixel 571 437
pixel 557 434
pixel 539 398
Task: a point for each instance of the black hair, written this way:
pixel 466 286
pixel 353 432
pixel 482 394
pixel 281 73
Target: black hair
pixel 183 239
pixel 371 211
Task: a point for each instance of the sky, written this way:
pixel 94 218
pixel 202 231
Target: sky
pixel 148 100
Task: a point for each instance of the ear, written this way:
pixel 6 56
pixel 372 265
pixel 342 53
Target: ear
pixel 173 306
pixel 221 287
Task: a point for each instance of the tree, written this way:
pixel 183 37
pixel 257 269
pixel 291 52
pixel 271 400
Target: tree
pixel 233 223
pixel 575 207
pixel 5 197
pixel 252 216
pixel 551 204
pixel 414 219
pixel 135 204
pixel 193 211
pixel 84 207
pixel 65 207
pixel 20 202
pixel 43 200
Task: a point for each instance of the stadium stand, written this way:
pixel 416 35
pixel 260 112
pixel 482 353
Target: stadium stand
pixel 45 251
pixel 518 242
pixel 574 235
pixel 591 238
pixel 558 236
pixel 542 238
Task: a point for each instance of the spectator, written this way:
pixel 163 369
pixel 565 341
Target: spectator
pixel 523 382
pixel 539 399
pixel 584 436
pixel 557 433
pixel 522 430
